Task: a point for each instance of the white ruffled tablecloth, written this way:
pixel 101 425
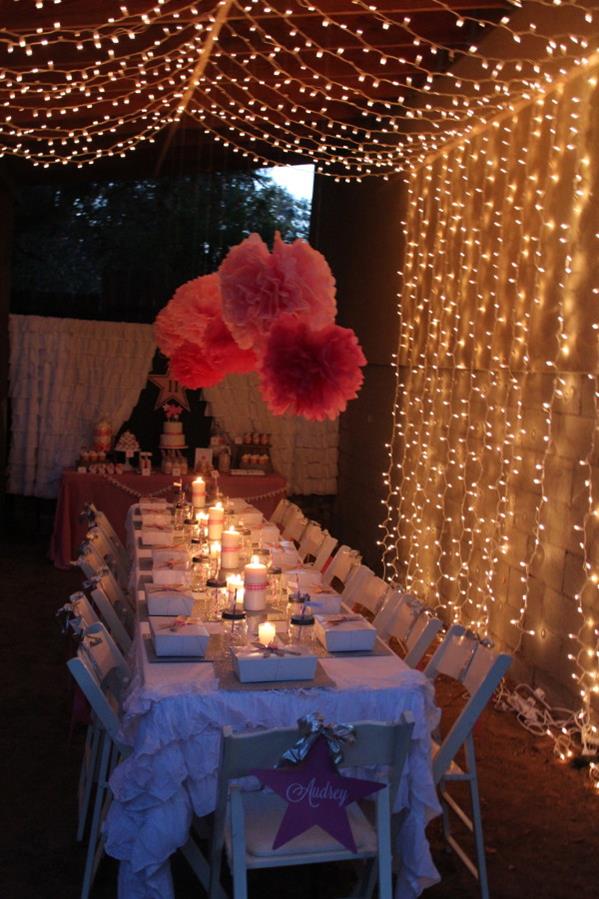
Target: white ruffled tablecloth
pixel 173 716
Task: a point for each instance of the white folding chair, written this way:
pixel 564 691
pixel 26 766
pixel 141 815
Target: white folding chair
pixel 295 527
pixel 479 670
pixel 82 612
pixel 94 567
pixel 107 551
pixel 410 622
pixel 340 567
pixel 281 510
pixel 311 542
pixel 118 619
pixel 100 520
pixel 100 672
pixel 247 822
pixel 365 589
pixel 325 551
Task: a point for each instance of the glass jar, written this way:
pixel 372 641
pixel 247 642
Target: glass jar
pixel 199 573
pixel 301 627
pixel 275 587
pixel 235 629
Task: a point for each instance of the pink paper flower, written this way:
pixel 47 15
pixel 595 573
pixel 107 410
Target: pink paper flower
pixel 195 367
pixel 188 313
pixel 310 373
pixel 258 287
pixel 171 410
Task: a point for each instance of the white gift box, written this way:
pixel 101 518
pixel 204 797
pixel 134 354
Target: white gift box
pixel 308 579
pixel 345 633
pixel 253 665
pixel 171 577
pixel 152 502
pixel 157 536
pixel 153 518
pixel 168 600
pixel 176 637
pixel 170 557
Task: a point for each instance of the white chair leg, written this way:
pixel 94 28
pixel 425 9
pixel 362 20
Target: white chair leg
pixel 238 866
pixel 477 824
pixel 86 778
pixel 91 862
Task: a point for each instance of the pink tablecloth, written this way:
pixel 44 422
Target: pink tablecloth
pixel 114 496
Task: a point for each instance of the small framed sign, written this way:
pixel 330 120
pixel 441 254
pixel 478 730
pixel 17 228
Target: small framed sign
pixel 203 457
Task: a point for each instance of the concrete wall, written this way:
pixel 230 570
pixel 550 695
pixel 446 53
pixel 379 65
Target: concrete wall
pixel 358 228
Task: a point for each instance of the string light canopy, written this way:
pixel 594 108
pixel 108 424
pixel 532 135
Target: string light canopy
pixel 357 88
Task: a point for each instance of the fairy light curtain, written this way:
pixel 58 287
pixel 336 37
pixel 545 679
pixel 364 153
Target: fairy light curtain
pixel 493 479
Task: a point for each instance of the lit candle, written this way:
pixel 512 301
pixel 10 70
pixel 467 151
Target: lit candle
pixel 198 493
pixel 216 520
pixel 231 541
pixel 255 585
pixel 266 633
pixel 235 591
pixel 202 522
pixel 215 549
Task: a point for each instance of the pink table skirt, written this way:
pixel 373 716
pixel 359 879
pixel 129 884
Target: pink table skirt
pixel 114 494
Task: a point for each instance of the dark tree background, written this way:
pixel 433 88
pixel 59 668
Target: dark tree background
pixel 117 250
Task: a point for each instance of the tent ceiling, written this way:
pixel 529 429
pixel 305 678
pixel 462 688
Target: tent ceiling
pixel 355 87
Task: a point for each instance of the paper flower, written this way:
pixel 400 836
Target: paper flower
pixel 195 367
pixel 188 313
pixel 171 410
pixel 258 287
pixel 310 373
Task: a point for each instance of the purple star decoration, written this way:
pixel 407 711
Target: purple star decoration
pixel 316 795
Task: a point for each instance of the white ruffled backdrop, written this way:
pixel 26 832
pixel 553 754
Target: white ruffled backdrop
pixel 65 374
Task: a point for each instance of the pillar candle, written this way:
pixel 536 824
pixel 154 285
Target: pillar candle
pixel 198 493
pixel 231 541
pixel 255 585
pixel 216 520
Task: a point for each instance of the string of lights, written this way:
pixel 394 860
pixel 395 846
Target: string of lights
pixel 364 89
pixel 493 457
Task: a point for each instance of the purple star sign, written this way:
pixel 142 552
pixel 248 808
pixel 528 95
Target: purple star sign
pixel 316 795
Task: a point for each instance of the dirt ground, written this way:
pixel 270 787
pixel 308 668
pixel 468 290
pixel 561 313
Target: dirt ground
pixel 539 815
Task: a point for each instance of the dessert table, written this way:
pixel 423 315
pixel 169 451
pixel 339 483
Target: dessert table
pixel 114 494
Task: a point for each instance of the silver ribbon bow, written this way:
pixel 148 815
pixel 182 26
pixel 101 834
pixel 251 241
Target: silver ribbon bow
pixel 312 727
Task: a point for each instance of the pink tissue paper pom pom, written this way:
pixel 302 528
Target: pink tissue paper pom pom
pixel 310 373
pixel 205 366
pixel 257 287
pixel 188 313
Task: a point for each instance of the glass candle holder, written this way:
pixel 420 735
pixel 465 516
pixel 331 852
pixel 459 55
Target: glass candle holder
pixel 301 627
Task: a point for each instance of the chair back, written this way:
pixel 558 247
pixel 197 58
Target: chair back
pixel 114 617
pixel 377 743
pixel 340 567
pixel 410 622
pixel 281 510
pixel 325 551
pixel 112 555
pixel 311 541
pixel 103 653
pixel 89 684
pixel 365 589
pixel 462 657
pixel 295 527
pixel 82 612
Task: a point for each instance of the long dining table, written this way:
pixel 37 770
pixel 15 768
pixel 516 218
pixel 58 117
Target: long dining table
pixel 172 719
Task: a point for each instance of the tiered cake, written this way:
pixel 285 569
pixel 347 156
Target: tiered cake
pixel 172 436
